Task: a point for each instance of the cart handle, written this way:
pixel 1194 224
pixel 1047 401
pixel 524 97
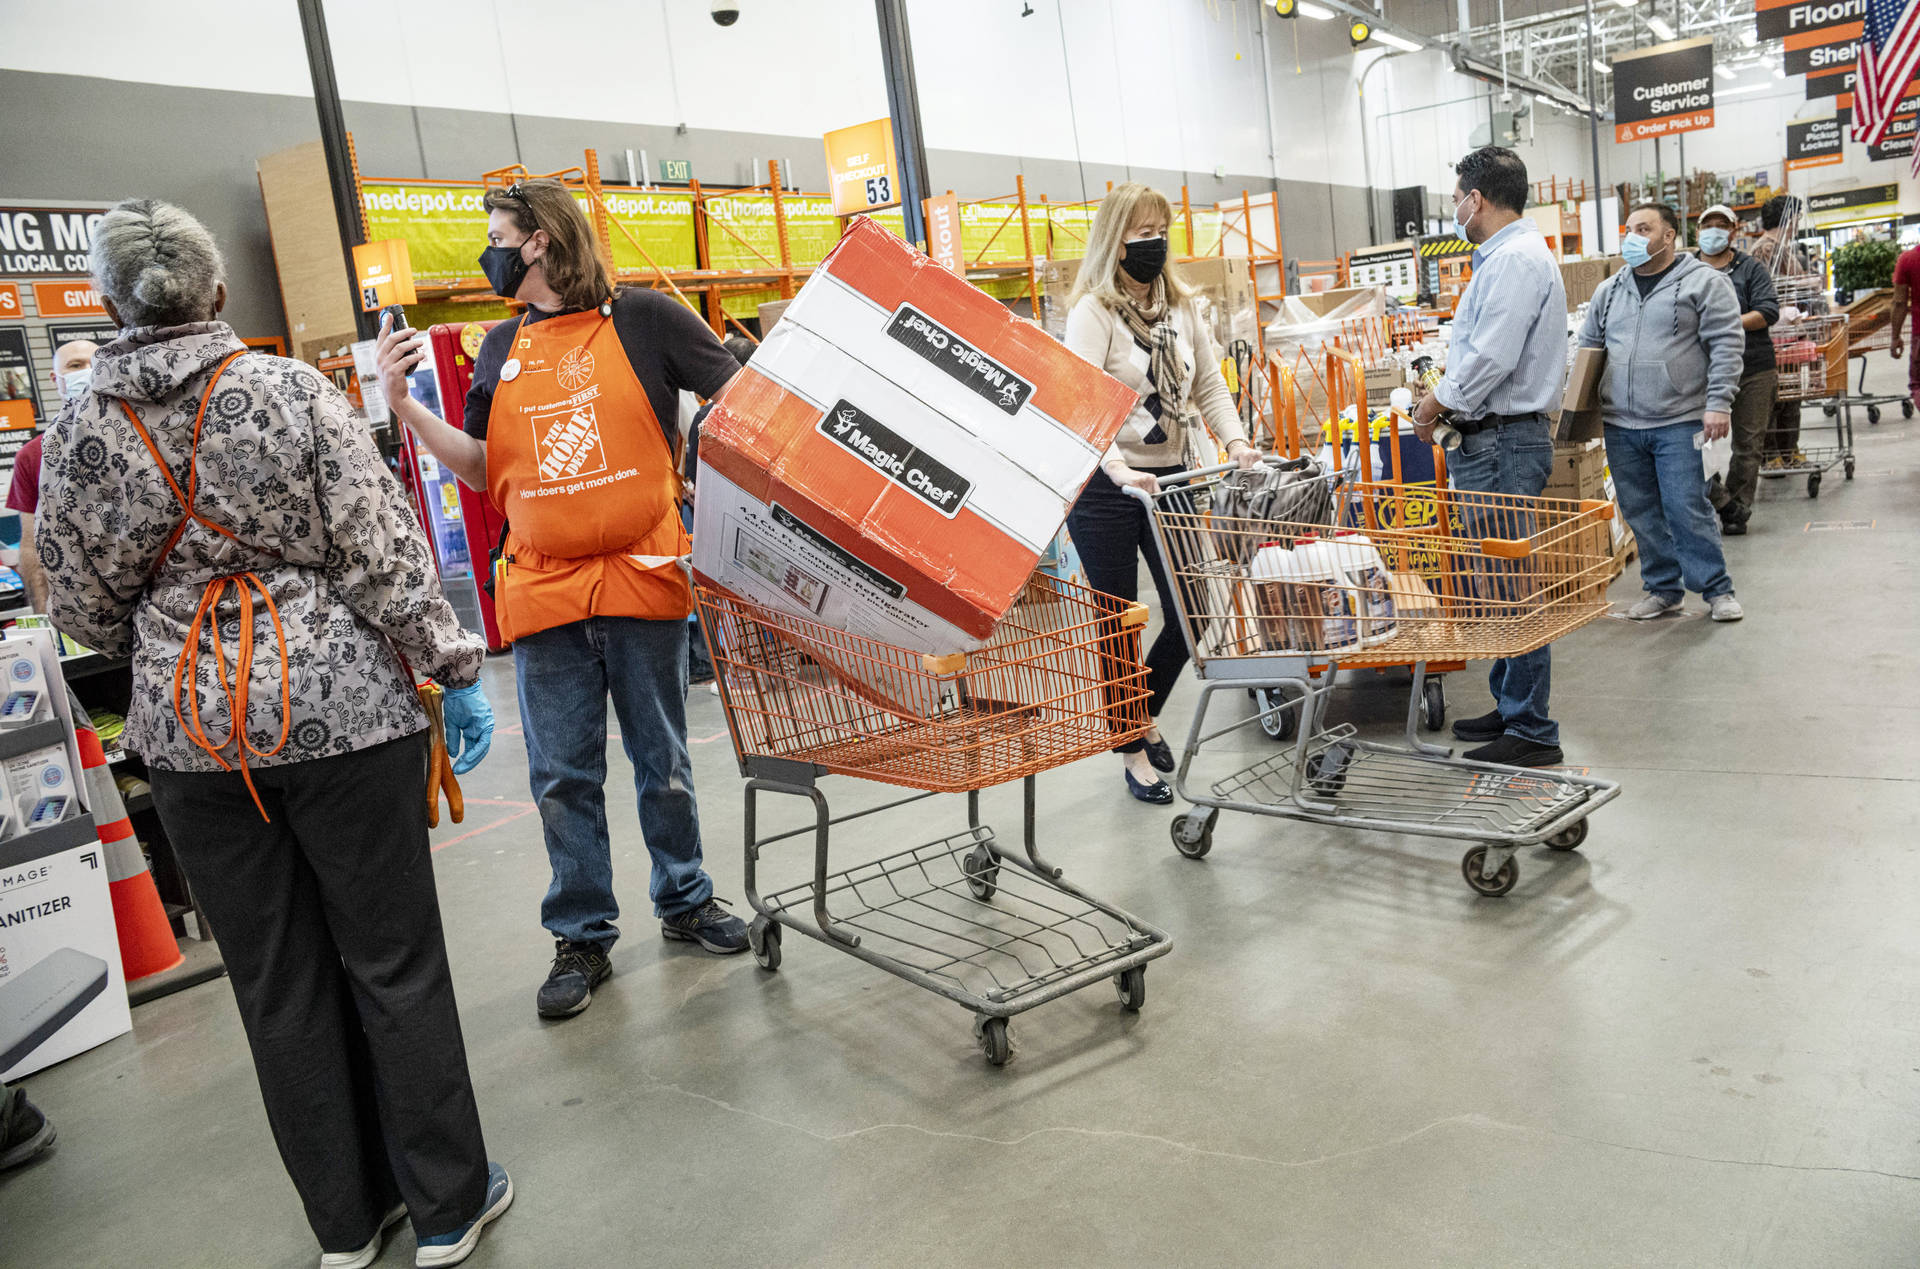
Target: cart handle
pixel 1134 617
pixel 1201 473
pixel 1506 548
pixel 1597 509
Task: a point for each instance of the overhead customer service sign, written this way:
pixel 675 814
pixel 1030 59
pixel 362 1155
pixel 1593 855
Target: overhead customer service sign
pixel 1662 90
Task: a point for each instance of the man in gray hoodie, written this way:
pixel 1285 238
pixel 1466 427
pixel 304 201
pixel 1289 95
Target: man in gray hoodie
pixel 1671 328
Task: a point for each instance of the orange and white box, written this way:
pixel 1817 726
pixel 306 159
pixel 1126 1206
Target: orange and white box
pixel 898 453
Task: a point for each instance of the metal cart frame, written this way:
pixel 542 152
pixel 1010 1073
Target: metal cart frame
pixel 1821 377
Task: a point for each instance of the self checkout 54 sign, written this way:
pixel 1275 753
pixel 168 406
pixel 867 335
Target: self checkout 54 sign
pixel 1663 90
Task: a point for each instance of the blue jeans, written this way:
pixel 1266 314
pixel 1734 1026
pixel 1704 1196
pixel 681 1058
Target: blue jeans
pixel 566 675
pixel 1515 458
pixel 1661 483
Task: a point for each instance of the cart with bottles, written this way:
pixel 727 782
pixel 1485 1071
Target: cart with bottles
pixel 983 921
pixel 1437 575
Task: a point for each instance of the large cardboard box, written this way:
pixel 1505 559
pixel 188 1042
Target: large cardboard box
pixel 1583 277
pixel 1579 471
pixel 898 453
pixel 1580 404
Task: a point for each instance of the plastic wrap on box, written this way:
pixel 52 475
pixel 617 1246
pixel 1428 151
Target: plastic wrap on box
pixel 1298 337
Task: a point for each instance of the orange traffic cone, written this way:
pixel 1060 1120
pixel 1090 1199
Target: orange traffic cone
pixel 147 945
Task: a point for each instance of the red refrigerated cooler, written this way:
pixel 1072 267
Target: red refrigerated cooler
pixel 461 522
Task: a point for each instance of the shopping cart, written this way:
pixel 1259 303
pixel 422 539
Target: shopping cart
pixel 1811 357
pixel 1862 342
pixel 961 915
pixel 1463 575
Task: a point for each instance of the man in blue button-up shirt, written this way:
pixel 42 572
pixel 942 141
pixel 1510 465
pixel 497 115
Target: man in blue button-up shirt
pixel 1506 368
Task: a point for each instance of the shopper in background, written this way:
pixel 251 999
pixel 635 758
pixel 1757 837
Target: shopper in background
pixel 1506 367
pixel 1131 315
pixel 1906 278
pixel 699 664
pixel 1753 403
pixel 1675 350
pixel 1778 251
pixel 590 592
pixel 72 367
pixel 201 502
pixel 25 1133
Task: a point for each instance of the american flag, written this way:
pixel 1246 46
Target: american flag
pixel 1889 54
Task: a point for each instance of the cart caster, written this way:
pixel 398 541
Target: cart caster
pixel 1873 414
pixel 1279 713
pixel 1131 986
pixel 763 937
pixel 1829 410
pixel 983 872
pixel 1193 832
pixel 1813 484
pixel 1849 469
pixel 1433 704
pixel 993 1038
pixel 1906 409
pixel 1493 887
pixel 1569 838
pixel 1327 770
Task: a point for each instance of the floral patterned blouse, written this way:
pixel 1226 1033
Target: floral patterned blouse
pixel 287 468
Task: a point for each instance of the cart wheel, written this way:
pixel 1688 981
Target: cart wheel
pixel 1813 484
pixel 1906 408
pixel 994 1042
pixel 1493 887
pixel 1570 837
pixel 1849 469
pixel 983 873
pixel 1131 986
pixel 1433 704
pixel 1873 414
pixel 1829 410
pixel 1327 770
pixel 1279 715
pixel 763 936
pixel 1193 832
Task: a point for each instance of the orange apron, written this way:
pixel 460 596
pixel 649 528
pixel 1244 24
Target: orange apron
pixel 577 463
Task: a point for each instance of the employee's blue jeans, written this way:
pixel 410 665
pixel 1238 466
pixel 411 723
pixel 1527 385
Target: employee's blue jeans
pixel 1514 458
pixel 566 676
pixel 1660 481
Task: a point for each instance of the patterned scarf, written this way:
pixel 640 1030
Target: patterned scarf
pixel 1153 328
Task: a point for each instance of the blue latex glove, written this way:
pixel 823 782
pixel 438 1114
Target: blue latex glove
pixel 469 726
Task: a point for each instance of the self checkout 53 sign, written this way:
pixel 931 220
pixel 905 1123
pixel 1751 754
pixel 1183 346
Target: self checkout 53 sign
pixel 862 170
pixel 1662 90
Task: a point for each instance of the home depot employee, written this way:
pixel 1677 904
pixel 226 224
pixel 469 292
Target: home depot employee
pixel 566 428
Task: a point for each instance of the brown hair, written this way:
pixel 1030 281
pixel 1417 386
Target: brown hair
pixel 573 265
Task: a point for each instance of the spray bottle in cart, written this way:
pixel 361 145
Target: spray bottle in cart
pixel 1444 433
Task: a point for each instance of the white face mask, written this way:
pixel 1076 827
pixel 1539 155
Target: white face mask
pixel 75 382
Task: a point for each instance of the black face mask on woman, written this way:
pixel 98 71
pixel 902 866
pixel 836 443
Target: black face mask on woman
pixel 1145 259
pixel 505 268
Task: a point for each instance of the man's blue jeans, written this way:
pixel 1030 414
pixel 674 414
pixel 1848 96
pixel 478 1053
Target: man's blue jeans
pixel 566 675
pixel 1661 483
pixel 1514 458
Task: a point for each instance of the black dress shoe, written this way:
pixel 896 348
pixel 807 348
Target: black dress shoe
pixel 1514 751
pixel 1733 528
pixel 1157 793
pixel 1160 754
pixel 1486 727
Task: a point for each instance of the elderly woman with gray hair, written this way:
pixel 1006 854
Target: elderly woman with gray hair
pixel 202 503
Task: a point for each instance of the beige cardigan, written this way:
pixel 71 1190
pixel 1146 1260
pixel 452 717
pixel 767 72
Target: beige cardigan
pixel 1099 335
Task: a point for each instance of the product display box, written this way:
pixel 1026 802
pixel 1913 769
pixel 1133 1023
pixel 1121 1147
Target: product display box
pixel 1580 404
pixel 898 453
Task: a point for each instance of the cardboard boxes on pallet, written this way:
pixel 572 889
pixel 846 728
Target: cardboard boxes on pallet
pixel 898 453
pixel 1583 277
pixel 1579 471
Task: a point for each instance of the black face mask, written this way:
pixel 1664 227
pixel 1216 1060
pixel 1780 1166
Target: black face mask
pixel 1145 259
pixel 505 268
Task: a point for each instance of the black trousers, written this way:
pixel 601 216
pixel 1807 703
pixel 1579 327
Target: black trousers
pixel 330 926
pixel 1111 532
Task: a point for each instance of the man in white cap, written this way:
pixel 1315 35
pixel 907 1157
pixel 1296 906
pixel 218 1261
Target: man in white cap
pixel 1753 404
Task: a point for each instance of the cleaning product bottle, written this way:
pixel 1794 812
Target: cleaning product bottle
pixel 1366 573
pixel 1321 592
pixel 1271 574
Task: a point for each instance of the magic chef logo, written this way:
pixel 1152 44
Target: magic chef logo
pixel 883 449
pixel 567 443
pixel 973 368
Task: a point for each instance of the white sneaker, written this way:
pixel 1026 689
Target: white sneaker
pixel 1726 608
pixel 371 1252
pixel 1651 606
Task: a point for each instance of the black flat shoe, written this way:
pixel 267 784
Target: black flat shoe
pixel 1513 751
pixel 1157 793
pixel 1485 727
pixel 1160 754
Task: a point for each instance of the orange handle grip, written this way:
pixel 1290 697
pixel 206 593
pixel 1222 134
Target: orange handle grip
pixel 1506 548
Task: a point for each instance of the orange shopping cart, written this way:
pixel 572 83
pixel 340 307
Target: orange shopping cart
pixel 994 928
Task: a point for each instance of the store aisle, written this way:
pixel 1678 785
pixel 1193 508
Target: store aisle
pixel 1693 1043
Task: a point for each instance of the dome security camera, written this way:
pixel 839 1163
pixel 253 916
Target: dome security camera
pixel 726 12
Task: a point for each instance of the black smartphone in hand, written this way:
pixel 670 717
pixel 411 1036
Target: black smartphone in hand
pixel 392 317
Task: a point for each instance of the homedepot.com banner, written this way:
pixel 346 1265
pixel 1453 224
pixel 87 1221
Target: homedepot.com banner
pixel 1662 90
pixel 445 226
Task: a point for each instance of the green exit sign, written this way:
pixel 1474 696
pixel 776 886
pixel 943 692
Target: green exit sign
pixel 676 169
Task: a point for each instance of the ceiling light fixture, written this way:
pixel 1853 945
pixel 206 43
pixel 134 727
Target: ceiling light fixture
pixel 1660 27
pixel 1319 13
pixel 1726 72
pixel 1744 88
pixel 1602 67
pixel 1400 42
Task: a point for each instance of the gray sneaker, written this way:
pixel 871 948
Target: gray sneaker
pixel 1651 606
pixel 1725 608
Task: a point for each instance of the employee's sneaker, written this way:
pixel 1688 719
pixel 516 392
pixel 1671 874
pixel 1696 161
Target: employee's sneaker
pixel 1513 751
pixel 25 1133
pixel 1725 608
pixel 371 1252
pixel 1651 606
pixel 1488 726
pixel 709 925
pixel 577 969
pixel 452 1248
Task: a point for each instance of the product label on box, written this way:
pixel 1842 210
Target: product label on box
pixel 967 364
pixel 61 989
pixel 872 576
pixel 889 454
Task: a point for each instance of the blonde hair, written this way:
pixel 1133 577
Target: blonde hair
pixel 1100 271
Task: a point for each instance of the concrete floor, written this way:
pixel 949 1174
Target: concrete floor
pixel 1695 1043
